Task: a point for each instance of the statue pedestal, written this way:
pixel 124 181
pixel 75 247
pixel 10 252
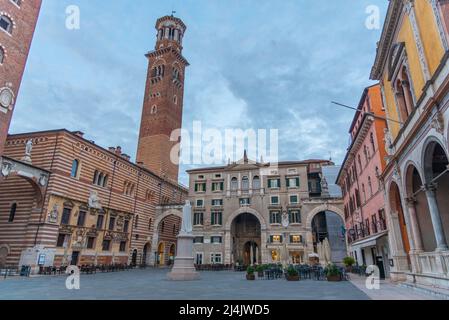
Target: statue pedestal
pixel 184 267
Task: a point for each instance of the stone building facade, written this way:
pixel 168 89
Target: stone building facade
pixel 247 213
pixel 18 20
pixel 362 189
pixel 412 65
pixel 64 199
pixel 88 205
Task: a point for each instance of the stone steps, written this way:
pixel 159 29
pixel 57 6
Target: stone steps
pixel 436 292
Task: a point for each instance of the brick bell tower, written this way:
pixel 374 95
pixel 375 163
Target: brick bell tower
pixel 163 102
pixel 18 21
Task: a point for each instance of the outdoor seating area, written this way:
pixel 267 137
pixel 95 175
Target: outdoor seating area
pixel 304 272
pixel 85 269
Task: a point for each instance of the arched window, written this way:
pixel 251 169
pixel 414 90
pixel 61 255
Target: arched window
pixel 371 139
pixel 100 179
pixel 245 183
pixel 154 109
pixel 360 163
pixel 105 181
pixel 6 24
pixel 370 186
pixel 234 184
pixel 256 183
pixel 74 172
pixel 12 212
pixel 2 55
pixel 364 192
pixel 95 181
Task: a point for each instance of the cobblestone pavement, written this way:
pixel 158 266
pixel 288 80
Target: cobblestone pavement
pixel 151 284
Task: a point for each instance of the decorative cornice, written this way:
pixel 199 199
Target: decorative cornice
pixel 391 22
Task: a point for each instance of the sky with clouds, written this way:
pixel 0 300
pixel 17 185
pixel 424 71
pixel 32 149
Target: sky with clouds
pixel 254 64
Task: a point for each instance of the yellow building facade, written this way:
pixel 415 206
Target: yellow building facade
pixel 412 65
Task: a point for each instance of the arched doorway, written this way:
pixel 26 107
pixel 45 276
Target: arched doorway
pixel 329 225
pixel 171 254
pixel 397 210
pixel 146 253
pixel 436 175
pixel 134 258
pixel 161 254
pixel 246 239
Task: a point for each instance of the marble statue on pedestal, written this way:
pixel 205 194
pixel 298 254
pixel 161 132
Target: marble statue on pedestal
pixel 184 266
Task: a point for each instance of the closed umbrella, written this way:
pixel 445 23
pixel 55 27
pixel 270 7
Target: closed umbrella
pixel 327 251
pixel 319 249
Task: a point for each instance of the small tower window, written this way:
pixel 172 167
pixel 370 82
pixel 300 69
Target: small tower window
pixel 175 99
pixel 153 109
pixel 12 212
pixel 2 55
pixel 6 24
pixel 75 165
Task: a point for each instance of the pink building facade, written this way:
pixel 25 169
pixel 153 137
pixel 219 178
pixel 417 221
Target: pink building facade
pixel 363 194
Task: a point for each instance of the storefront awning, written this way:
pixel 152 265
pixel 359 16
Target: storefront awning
pixel 368 242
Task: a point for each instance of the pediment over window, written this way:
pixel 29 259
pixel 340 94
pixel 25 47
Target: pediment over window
pixel 394 59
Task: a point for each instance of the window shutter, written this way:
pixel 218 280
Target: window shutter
pixel 286 182
pixel 297 182
pixel 221 218
pixel 290 216
pixel 279 183
pixel 282 239
pixel 196 187
pixel 213 186
pixel 222 185
pixel 291 239
pixel 271 239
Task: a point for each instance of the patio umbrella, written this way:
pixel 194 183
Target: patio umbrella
pixel 327 251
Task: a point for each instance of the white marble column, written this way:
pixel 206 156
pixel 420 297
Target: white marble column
pixel 436 218
pixel 416 233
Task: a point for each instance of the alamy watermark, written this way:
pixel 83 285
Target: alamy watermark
pixel 214 146
pixel 73 280
pixel 73 17
pixel 372 22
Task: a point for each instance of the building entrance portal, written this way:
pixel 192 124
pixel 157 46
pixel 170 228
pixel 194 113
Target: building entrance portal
pixel 246 239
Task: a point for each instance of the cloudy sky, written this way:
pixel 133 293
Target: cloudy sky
pixel 254 64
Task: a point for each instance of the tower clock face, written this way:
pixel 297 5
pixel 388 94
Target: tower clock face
pixel 6 97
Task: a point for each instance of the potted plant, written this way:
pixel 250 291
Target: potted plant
pixel 349 262
pixel 292 274
pixel 250 273
pixel 260 270
pixel 333 273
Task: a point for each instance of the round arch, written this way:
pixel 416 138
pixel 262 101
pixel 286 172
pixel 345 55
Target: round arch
pixel 235 214
pixel 324 207
pixel 407 182
pixel 171 212
pixel 427 153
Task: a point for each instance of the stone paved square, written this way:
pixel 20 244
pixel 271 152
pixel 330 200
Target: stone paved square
pixel 151 284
